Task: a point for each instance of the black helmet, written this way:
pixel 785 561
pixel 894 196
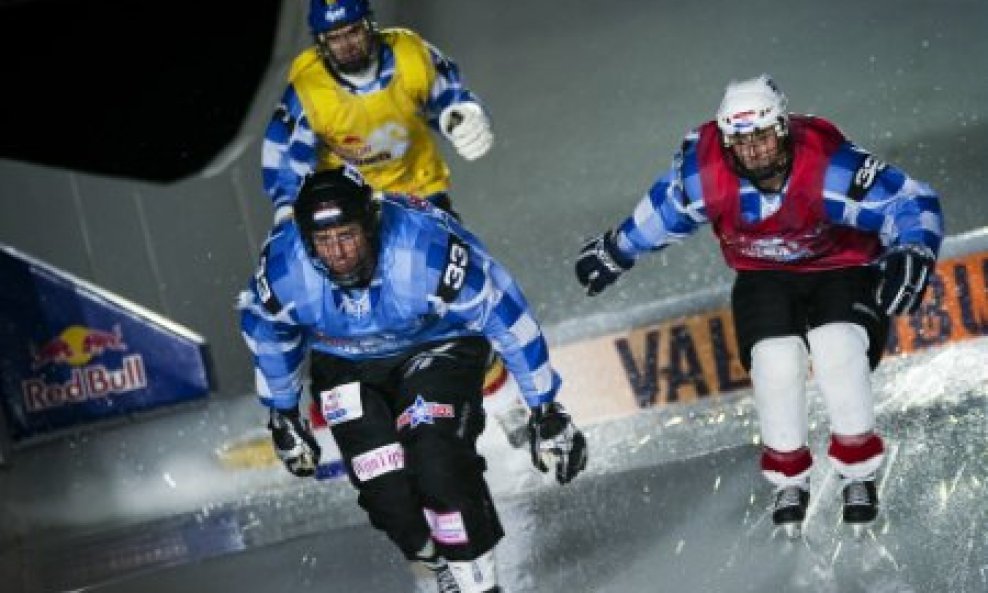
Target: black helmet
pixel 336 197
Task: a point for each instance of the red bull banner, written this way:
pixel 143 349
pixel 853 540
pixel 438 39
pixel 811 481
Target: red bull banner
pixel 73 353
pixel 695 356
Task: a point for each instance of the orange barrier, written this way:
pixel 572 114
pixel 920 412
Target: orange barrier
pixel 956 307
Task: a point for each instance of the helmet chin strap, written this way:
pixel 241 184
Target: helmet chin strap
pixel 358 74
pixel 780 168
pixel 363 77
pixel 360 277
pixel 362 273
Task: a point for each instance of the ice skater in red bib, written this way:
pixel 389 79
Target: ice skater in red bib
pixel 828 243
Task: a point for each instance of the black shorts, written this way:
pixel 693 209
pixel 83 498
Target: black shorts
pixel 428 401
pixel 777 303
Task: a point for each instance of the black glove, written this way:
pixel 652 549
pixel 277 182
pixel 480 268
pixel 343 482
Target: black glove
pixel 905 274
pixel 293 442
pixel 552 434
pixel 600 263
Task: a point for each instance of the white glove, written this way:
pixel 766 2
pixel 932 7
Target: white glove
pixel 467 128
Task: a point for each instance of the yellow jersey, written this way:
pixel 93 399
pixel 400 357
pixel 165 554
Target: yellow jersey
pixel 383 133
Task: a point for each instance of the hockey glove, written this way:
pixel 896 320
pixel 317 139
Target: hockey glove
pixel 600 263
pixel 293 442
pixel 553 437
pixel 905 274
pixel 468 129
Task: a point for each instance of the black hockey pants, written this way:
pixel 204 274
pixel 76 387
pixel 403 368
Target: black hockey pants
pixel 774 303
pixel 410 448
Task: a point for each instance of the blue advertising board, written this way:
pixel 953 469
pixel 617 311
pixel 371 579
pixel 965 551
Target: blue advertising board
pixel 72 353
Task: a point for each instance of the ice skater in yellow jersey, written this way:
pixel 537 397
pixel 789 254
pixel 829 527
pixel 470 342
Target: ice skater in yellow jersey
pixel 374 99
pixel 371 98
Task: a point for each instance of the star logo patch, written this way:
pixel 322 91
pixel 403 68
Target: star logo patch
pixel 423 412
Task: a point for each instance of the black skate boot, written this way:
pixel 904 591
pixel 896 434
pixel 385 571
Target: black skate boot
pixel 860 503
pixel 790 508
pixel 437 565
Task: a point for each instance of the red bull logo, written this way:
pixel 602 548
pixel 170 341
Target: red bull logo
pixel 87 383
pixel 76 346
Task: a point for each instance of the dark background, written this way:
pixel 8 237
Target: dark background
pixel 142 90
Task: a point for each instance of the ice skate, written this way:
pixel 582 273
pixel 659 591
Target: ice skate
pixel 445 581
pixel 476 576
pixel 790 509
pixel 860 504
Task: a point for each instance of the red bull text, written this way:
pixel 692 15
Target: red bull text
pixel 86 383
pixel 76 346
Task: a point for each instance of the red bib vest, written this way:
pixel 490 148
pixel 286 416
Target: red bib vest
pixel 798 236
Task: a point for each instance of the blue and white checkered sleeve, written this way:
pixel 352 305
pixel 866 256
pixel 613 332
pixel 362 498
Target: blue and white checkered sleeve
pixel 492 303
pixel 869 195
pixel 447 88
pixel 665 215
pixel 278 347
pixel 288 154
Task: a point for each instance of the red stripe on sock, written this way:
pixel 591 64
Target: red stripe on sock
pixel 787 463
pixel 855 449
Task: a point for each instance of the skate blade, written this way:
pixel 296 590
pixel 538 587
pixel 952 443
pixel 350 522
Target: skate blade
pixel 859 530
pixel 791 530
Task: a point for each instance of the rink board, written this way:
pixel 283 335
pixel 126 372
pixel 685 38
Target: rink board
pixel 75 353
pixel 683 359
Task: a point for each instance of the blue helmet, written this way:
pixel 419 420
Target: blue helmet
pixel 329 14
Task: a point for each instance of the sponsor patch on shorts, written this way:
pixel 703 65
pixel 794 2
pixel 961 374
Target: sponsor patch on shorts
pixel 447 528
pixel 423 412
pixel 341 403
pixel 379 461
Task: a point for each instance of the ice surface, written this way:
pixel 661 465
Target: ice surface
pixel 672 500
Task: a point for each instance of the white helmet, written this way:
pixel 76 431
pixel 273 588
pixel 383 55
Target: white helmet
pixel 751 105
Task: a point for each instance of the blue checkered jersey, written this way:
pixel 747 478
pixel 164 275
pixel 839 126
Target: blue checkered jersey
pixel 289 151
pixel 433 281
pixel 858 192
